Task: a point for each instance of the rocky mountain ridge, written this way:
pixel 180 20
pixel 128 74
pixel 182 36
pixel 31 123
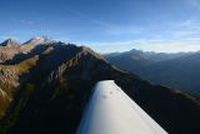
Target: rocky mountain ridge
pixel 175 70
pixel 52 82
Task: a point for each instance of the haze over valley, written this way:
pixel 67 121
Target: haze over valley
pixel 176 70
pixel 99 67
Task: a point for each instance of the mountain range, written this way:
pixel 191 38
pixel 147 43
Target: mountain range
pixel 45 86
pixel 174 70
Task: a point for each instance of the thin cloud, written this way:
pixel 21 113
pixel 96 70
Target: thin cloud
pixel 7 37
pixel 157 45
pixel 178 36
pixel 111 29
pixel 28 22
pixel 188 29
pixel 88 18
pixel 169 45
pixel 194 3
pixel 121 30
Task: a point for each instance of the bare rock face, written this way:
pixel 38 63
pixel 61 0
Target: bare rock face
pixel 11 48
pixel 10 43
pixel 44 88
pixel 8 49
pixel 39 40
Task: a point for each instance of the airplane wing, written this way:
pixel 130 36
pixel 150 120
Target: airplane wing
pixel 111 111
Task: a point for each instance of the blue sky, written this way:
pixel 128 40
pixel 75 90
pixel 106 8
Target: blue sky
pixel 106 25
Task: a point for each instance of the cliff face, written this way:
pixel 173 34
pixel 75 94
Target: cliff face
pixel 48 87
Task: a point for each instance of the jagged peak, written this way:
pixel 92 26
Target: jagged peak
pixel 39 40
pixel 86 50
pixel 10 42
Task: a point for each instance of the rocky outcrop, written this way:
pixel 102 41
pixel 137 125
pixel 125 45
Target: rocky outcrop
pixel 54 82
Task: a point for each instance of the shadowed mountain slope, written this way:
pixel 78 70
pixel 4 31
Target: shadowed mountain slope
pixel 178 70
pixel 55 83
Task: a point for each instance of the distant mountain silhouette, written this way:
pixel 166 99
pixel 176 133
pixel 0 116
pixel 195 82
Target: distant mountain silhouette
pixel 178 70
pixel 44 88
